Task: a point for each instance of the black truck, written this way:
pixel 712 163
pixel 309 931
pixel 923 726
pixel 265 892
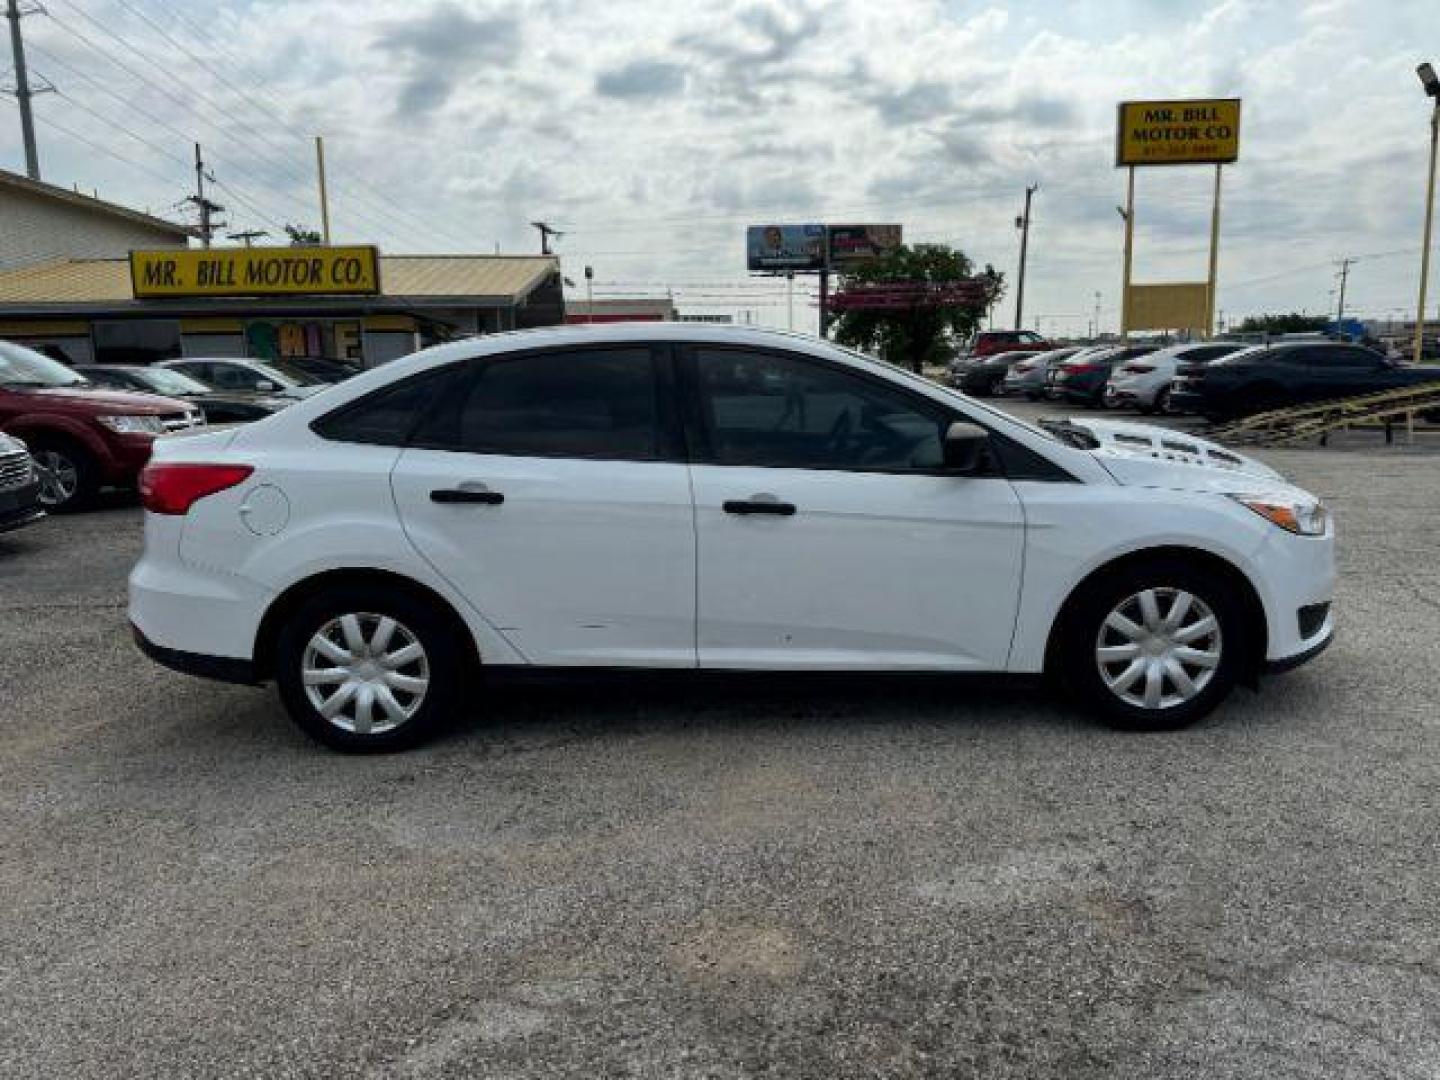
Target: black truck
pixel 1295 373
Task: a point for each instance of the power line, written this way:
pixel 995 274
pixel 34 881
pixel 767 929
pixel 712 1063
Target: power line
pixel 274 109
pixel 281 162
pixel 132 106
pixel 97 147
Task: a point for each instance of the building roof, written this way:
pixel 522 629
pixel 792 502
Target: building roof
pixel 427 279
pixel 17 182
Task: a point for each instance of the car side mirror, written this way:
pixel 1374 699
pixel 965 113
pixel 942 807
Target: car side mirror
pixel 967 447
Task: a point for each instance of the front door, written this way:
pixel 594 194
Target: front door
pixel 548 488
pixel 829 534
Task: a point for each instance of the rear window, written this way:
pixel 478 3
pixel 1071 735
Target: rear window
pixel 389 415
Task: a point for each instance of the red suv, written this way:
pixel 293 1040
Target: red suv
pixel 989 342
pixel 81 438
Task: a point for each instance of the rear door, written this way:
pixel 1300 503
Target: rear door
pixel 550 489
pixel 829 534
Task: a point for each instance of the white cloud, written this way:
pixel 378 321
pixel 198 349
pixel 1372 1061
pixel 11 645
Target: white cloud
pixel 654 131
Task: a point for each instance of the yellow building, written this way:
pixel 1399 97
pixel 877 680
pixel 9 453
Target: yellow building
pixel 86 310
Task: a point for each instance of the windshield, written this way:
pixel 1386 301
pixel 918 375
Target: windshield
pixel 165 381
pixel 286 372
pixel 22 367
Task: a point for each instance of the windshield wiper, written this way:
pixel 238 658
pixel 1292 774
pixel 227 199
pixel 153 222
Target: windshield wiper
pixel 1071 433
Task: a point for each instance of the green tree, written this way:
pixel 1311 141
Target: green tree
pixel 301 236
pixel 1293 323
pixel 920 335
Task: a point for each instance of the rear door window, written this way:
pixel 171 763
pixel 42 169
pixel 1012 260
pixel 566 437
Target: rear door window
pixel 583 403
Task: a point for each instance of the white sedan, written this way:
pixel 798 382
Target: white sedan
pixel 676 496
pixel 1144 382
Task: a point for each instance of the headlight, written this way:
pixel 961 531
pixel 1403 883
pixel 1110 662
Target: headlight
pixel 1301 517
pixel 134 425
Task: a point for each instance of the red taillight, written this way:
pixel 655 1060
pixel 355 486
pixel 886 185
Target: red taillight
pixel 173 489
pixel 1080 369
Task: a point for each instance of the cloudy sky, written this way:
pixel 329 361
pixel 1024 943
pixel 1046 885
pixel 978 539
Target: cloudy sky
pixel 652 132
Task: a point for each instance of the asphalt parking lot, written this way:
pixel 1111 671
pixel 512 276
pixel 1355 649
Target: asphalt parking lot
pixel 660 879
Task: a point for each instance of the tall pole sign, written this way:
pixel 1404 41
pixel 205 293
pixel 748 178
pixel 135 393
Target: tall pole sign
pixel 1188 132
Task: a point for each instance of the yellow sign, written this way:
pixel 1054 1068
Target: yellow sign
pixel 1167 307
pixel 288 271
pixel 1178 132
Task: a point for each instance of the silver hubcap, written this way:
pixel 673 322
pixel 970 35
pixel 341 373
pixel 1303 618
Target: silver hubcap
pixel 1158 648
pixel 59 479
pixel 366 674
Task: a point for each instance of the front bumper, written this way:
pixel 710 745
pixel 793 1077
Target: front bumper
pixel 1290 663
pixel 20 506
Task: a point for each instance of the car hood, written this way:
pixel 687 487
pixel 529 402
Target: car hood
pixel 1147 455
pixel 120 400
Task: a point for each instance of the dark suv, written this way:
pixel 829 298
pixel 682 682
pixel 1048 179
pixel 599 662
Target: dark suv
pixel 1275 376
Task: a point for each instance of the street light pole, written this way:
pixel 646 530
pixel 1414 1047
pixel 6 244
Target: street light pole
pixel 1431 82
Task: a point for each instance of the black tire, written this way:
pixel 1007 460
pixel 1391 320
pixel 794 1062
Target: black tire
pixel 1031 395
pixel 50 452
pixel 445 662
pixel 1162 402
pixel 1079 639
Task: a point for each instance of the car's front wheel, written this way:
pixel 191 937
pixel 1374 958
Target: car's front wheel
pixel 368 669
pixel 67 475
pixel 1154 646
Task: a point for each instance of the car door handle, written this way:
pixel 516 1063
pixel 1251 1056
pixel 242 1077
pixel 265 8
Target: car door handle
pixel 759 506
pixel 466 495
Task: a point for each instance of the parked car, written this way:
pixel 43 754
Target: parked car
pixel 1081 380
pixel 268 378
pixel 676 496
pixel 989 342
pixel 81 437
pixel 1027 375
pixel 1266 377
pixel 19 486
pixel 983 376
pixel 1144 383
pixel 219 406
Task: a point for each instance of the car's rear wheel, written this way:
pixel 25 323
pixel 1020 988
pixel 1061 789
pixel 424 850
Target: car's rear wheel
pixel 368 669
pixel 1154 646
pixel 68 476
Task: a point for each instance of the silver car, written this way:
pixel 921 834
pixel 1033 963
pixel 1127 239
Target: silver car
pixel 1027 375
pixel 1144 382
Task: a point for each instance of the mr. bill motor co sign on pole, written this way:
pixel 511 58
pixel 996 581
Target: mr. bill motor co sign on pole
pixel 1188 132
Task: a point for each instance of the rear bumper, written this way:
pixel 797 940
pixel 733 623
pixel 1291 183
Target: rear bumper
pixel 220 668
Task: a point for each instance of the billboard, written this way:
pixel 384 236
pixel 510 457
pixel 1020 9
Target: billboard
pixel 785 247
pixel 287 271
pixel 1195 132
pixel 850 244
pixel 1178 306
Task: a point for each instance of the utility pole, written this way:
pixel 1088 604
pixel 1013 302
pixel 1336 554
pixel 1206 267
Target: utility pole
pixel 324 197
pixel 546 232
pixel 1431 83
pixel 22 90
pixel 1023 224
pixel 208 209
pixel 1097 314
pixel 589 294
pixel 1344 277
